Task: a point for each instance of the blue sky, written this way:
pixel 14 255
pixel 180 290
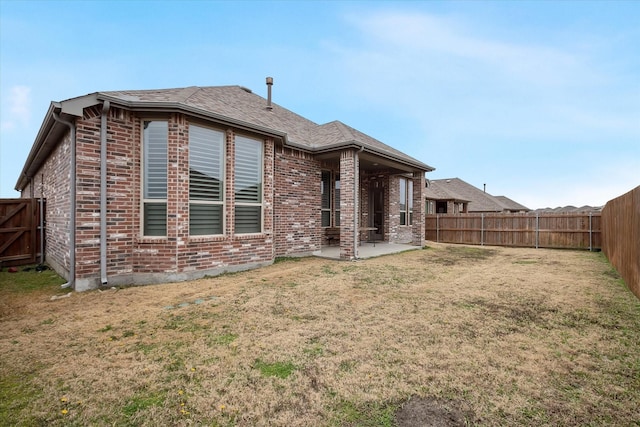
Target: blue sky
pixel 538 100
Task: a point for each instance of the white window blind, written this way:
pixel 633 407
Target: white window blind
pixel 410 200
pixel 206 180
pixel 155 141
pixel 155 160
pixel 326 199
pixel 248 185
pixel 336 201
pixel 403 201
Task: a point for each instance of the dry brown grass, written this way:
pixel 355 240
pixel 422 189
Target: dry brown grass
pixel 511 336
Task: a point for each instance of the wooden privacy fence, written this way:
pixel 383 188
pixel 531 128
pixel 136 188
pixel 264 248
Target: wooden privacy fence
pixel 20 232
pixel 543 230
pixel 621 237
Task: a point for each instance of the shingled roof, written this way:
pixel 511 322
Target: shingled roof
pixel 479 201
pixel 511 204
pixel 232 105
pixel 240 106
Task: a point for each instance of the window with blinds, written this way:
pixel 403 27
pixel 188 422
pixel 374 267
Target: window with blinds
pixel 403 201
pixel 154 201
pixel 325 190
pixel 336 203
pixel 406 201
pixel 206 181
pixel 330 191
pixel 410 200
pixel 248 185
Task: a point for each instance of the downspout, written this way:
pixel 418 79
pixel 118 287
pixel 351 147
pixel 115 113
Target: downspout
pixel 42 219
pixel 103 192
pixel 72 201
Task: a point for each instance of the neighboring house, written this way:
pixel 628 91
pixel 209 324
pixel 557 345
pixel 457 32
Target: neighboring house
pixel 511 206
pixel 454 195
pixel 148 186
pixel 444 200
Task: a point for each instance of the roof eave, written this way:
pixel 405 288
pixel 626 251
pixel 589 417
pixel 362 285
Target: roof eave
pixel 45 140
pixel 369 149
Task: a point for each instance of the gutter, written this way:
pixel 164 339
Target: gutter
pixel 103 192
pixel 72 202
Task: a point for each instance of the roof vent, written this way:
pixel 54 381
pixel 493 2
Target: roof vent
pixel 269 84
pixel 246 89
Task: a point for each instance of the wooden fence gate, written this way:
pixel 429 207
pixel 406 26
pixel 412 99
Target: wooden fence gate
pixel 20 237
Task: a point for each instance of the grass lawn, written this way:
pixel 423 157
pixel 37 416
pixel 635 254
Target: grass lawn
pixel 474 335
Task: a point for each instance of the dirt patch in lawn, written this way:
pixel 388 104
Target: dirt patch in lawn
pixel 467 335
pixel 421 412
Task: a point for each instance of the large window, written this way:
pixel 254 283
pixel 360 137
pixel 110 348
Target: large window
pixel 206 181
pixel 248 185
pixel 406 201
pixel 330 208
pixel 155 136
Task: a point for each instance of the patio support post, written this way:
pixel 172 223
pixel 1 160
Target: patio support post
pixel 418 228
pixel 349 176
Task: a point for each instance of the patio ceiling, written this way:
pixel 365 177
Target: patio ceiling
pixel 369 163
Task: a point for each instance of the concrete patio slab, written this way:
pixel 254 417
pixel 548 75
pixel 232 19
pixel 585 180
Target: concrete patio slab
pixel 368 250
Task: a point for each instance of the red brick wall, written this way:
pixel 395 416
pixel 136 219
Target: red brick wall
pixel 348 210
pixel 52 183
pixel 88 193
pixel 132 258
pixel 297 202
pixel 291 206
pixel 179 256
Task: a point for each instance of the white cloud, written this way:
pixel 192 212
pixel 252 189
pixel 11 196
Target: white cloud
pixel 422 35
pixel 19 107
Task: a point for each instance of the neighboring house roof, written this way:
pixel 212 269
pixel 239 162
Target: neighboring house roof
pixel 234 105
pixel 439 192
pixel 511 204
pixel 479 201
pixel 570 209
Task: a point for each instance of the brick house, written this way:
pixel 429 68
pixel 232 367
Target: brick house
pixel 150 186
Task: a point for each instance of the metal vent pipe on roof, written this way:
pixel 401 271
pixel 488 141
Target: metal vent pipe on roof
pixel 269 84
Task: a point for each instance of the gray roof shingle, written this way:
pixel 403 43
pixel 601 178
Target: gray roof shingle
pixel 242 105
pixel 479 201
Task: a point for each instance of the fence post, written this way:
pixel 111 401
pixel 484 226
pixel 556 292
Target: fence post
pixel 537 229
pixel 482 230
pixel 438 228
pixel 590 234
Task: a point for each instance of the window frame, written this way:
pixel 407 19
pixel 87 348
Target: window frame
pixel 337 185
pixel 333 187
pixel 260 203
pixel 406 200
pixel 222 168
pixel 144 200
pixel 325 188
